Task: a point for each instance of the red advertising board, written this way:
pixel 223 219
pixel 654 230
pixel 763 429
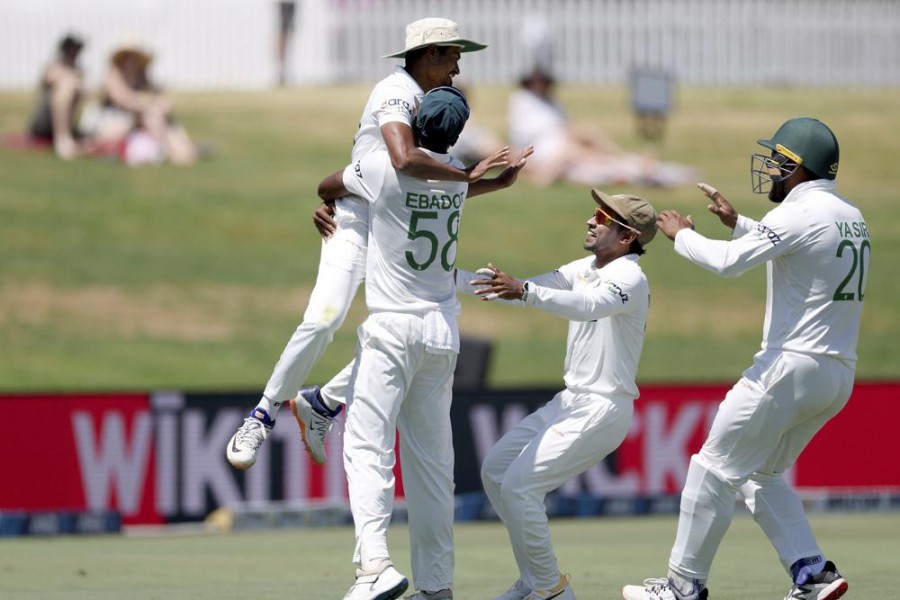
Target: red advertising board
pixel 85 452
pixel 160 457
pixel 856 450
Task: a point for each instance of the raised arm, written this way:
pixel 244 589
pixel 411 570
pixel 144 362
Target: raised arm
pixel 408 159
pixel 503 180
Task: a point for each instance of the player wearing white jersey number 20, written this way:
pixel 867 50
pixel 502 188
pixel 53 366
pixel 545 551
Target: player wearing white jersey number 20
pixel 606 298
pixel 432 60
pixel 816 248
pixel 406 355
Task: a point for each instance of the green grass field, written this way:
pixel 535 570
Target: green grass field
pixel 121 279
pixel 600 554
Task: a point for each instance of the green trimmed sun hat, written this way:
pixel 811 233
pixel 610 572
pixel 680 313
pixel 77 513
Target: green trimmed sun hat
pixel 434 31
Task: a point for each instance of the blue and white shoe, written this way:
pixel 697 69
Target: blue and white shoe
pixel 827 585
pixel 662 589
pixel 243 447
pixel 315 421
pixel 388 584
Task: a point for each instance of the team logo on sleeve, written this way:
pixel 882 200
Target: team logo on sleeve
pixel 398 106
pixel 357 168
pixel 764 232
pixel 615 289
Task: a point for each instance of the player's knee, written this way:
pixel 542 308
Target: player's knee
pixel 490 475
pixel 706 463
pixel 704 472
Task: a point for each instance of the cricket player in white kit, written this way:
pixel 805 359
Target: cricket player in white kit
pixel 432 52
pixel 606 298
pixel 406 355
pixel 816 248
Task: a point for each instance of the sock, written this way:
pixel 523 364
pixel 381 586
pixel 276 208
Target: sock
pixel 319 405
pixel 331 404
pixel 806 568
pixel 685 587
pixel 270 407
pixel 261 414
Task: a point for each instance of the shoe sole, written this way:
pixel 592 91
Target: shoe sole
pixel 836 593
pixel 302 424
pixel 395 593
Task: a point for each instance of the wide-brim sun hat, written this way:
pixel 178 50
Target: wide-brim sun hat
pixel 635 212
pixel 131 46
pixel 435 31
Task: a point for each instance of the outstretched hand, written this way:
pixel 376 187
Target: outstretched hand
pixel 323 219
pixel 509 175
pixel 670 222
pixel 720 206
pixel 497 284
pixel 500 158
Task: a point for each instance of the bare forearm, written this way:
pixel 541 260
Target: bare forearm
pixel 332 187
pixel 416 163
pixel 485 186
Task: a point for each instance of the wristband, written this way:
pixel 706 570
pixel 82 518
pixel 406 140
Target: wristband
pixel 525 291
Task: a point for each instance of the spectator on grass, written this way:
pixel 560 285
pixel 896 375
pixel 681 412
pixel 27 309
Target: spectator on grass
pixel 60 94
pixel 565 151
pixel 137 116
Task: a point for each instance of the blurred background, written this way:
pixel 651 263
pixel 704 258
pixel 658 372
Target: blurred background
pixel 149 278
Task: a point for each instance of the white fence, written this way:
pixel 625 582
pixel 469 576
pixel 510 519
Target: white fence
pixel 208 44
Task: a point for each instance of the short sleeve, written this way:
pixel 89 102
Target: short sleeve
pixel 365 177
pixel 394 104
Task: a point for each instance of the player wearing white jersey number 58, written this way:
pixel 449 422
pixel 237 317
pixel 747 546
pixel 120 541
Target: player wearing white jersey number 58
pixel 606 298
pixel 816 248
pixel 406 356
pixel 431 60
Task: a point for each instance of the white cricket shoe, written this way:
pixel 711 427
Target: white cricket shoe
pixel 385 585
pixel 563 591
pixel 659 589
pixel 439 595
pixel 243 446
pixel 518 591
pixel 314 426
pixel 827 585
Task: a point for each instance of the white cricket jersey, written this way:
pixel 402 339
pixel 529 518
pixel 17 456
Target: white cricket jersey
pixel 394 99
pixel 413 232
pixel 817 248
pixel 607 312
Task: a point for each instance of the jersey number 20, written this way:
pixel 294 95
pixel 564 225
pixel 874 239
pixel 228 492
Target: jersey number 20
pixel 860 260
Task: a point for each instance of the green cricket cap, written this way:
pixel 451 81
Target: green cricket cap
pixel 442 115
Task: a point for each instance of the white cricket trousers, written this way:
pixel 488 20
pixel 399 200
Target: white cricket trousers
pixel 400 384
pixel 560 440
pixel 342 267
pixel 762 426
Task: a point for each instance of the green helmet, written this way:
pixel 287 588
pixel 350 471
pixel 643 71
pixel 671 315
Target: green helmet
pixel 808 142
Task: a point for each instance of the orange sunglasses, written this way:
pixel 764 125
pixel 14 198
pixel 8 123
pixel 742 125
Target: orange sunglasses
pixel 604 218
